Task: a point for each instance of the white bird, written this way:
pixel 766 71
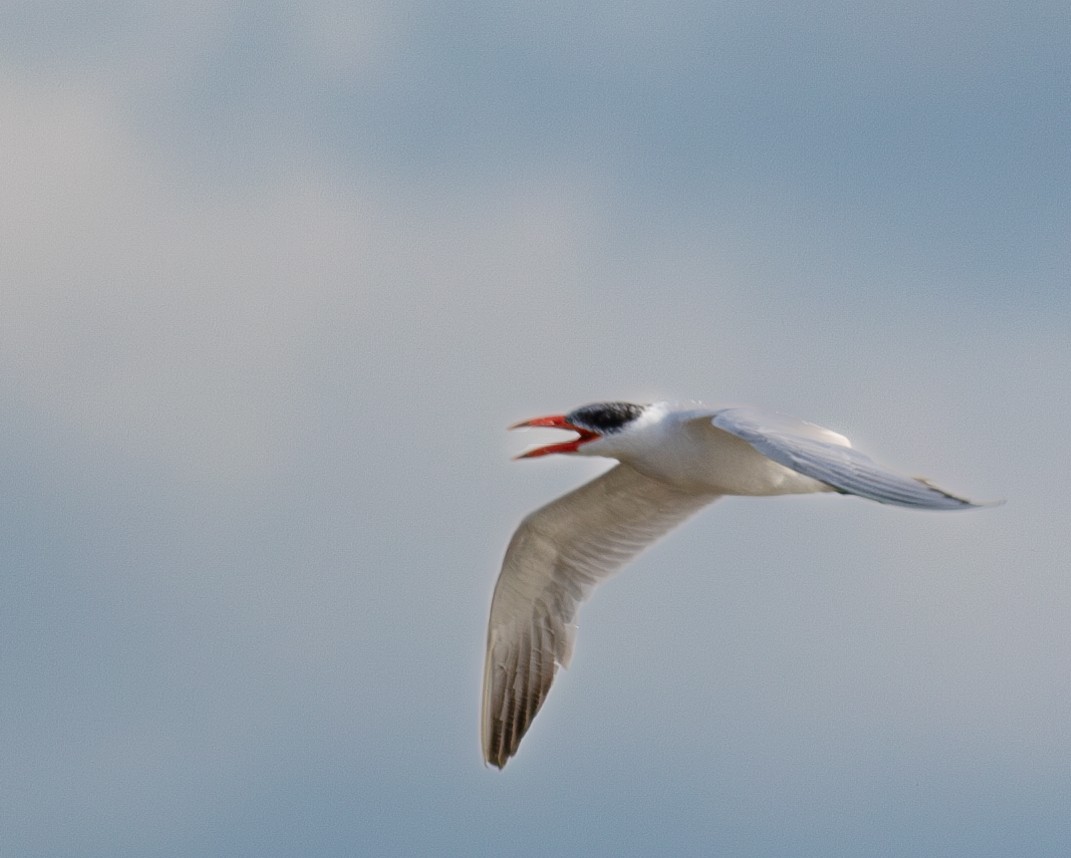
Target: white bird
pixel 673 460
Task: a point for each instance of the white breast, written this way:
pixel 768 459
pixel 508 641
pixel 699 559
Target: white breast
pixel 684 448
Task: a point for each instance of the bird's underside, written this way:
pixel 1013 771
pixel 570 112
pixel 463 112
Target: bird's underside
pixel 561 551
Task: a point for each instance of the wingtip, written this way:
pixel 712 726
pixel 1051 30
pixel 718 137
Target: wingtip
pixel 973 504
pixel 964 503
pixel 493 756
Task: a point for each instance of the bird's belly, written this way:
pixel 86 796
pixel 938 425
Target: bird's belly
pixel 725 465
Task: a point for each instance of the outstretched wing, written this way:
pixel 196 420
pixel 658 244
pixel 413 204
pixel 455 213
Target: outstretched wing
pixel 828 457
pixel 558 555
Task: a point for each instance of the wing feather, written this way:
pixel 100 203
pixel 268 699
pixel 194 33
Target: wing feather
pixel 828 457
pixel 557 556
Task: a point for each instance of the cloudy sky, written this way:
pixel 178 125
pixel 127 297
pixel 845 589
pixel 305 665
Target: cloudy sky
pixel 276 276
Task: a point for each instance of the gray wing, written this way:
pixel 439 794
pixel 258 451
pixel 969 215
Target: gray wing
pixel 828 457
pixel 558 555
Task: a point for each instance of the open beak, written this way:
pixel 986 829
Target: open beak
pixel 555 421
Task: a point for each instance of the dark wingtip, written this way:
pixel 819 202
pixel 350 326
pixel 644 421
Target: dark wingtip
pixel 965 503
pixel 496 756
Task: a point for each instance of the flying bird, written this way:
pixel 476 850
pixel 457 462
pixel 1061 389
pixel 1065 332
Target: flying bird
pixel 673 459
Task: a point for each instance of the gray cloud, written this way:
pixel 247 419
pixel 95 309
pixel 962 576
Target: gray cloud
pixel 275 282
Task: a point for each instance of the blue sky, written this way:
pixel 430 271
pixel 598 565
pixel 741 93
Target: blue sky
pixel 277 276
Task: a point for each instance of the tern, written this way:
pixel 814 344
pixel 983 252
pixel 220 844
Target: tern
pixel 673 459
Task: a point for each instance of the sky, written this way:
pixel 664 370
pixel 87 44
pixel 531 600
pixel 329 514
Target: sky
pixel 276 277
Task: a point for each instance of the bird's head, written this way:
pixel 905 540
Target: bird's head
pixel 597 426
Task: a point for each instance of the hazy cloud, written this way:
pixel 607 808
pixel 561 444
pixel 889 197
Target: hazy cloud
pixel 275 280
